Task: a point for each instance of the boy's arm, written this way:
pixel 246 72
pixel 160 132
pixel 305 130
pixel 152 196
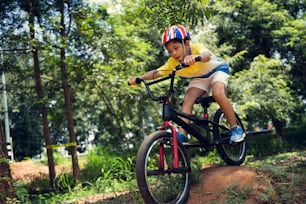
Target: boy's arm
pixel 190 59
pixel 199 49
pixel 205 56
pixel 153 74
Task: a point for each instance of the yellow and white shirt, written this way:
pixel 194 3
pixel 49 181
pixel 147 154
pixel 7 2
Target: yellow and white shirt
pixel 198 69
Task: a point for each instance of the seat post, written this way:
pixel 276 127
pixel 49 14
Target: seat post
pixel 205 115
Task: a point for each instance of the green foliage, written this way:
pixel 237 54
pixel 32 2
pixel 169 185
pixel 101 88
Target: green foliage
pixel 247 25
pixel 292 40
pixel 236 194
pixel 297 134
pixel 21 192
pixel 269 144
pixel 4 161
pixel 265 93
pixel 57 157
pixel 270 28
pixel 202 158
pixel 64 183
pixel 26 128
pixel 285 175
pixel 165 13
pixel 104 167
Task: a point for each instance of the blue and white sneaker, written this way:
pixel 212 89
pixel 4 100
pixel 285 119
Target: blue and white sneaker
pixel 181 137
pixel 237 134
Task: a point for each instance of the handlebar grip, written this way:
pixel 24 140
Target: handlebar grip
pixel 137 80
pixel 198 58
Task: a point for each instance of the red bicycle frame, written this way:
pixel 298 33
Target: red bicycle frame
pixel 175 162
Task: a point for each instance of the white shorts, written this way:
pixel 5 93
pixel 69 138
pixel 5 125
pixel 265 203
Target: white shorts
pixel 206 83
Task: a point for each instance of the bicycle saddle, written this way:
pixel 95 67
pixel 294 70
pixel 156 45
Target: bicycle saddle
pixel 205 100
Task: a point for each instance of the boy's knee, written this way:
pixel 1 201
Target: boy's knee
pixel 218 93
pixel 187 102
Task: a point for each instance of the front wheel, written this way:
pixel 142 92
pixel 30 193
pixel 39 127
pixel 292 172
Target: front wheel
pixel 232 154
pixel 157 181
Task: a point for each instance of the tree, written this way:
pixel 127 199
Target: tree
pixel 291 40
pixel 247 25
pixel 65 84
pixel 272 28
pixel 165 13
pixel 262 93
pixel 6 181
pixel 122 42
pixel 40 94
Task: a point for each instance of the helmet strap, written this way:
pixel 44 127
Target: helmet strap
pixel 185 48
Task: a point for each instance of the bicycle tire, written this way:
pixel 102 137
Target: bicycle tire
pixel 232 154
pixel 156 185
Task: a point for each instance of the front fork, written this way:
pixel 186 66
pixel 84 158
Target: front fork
pixel 175 162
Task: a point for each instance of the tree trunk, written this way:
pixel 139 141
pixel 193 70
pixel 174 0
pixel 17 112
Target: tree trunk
pixel 6 181
pixel 42 106
pixel 279 127
pixel 75 165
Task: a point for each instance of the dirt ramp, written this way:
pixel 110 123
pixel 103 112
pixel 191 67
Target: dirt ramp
pixel 220 184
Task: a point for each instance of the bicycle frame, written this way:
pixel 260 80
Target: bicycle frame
pixel 170 114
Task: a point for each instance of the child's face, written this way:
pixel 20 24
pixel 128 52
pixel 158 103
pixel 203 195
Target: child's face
pixel 176 50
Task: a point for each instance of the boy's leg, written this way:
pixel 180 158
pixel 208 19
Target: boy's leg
pixel 191 95
pixel 219 94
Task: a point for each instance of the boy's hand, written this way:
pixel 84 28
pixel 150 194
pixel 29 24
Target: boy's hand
pixel 190 59
pixel 132 81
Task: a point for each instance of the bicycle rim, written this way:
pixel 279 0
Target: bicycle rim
pixel 232 154
pixel 157 185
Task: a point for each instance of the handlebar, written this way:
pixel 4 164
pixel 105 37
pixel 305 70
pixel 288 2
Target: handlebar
pixel 170 76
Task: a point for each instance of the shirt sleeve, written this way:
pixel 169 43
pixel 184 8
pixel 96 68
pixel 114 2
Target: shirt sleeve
pixel 199 48
pixel 168 67
pixel 171 63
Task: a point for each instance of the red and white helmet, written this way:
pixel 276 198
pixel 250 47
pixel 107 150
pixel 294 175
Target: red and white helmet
pixel 175 32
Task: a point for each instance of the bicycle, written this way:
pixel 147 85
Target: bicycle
pixel 163 169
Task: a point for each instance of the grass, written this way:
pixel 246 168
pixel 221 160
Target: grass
pixel 286 174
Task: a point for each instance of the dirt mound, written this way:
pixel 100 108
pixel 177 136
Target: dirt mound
pixel 218 183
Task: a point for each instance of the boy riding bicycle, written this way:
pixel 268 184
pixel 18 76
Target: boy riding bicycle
pixel 209 74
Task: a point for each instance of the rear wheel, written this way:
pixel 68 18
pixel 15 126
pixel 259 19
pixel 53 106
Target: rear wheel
pixel 157 184
pixel 231 153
